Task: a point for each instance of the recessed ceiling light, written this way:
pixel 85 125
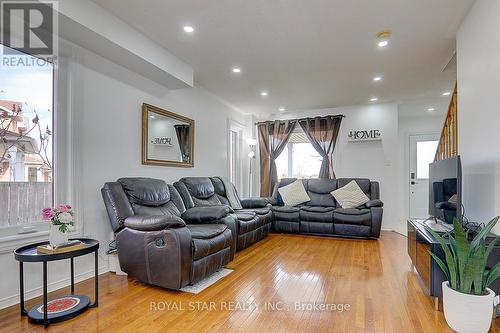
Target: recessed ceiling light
pixel 377 78
pixel 446 93
pixel 264 93
pixel 188 29
pixel 383 38
pixel 373 99
pixel 431 109
pixel 236 70
pixel 282 109
pixel 383 43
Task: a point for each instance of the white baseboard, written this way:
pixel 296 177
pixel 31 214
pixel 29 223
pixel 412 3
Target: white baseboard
pixel 29 294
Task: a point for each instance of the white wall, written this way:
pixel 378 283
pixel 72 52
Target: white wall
pixel 478 64
pixel 107 111
pixel 375 160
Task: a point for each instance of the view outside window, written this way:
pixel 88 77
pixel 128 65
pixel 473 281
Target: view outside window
pixel 299 159
pixel 426 150
pixel 26 156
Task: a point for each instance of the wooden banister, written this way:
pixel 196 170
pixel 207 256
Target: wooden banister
pixel 448 142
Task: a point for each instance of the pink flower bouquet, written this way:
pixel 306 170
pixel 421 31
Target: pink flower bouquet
pixel 61 215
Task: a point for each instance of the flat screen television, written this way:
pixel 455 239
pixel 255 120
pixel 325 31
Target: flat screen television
pixel 445 189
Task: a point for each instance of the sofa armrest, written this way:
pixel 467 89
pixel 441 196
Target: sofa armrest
pixel 377 213
pixel 255 202
pixel 161 257
pixel 153 222
pixel 374 203
pixel 205 214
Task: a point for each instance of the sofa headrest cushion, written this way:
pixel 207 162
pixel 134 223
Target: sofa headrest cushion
pixel 321 186
pixel 146 191
pixel 199 187
pixel 218 186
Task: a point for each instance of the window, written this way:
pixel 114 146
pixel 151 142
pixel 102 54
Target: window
pixel 426 150
pixel 299 159
pixel 26 125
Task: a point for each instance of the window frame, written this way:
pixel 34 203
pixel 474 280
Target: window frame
pixel 64 130
pixel 238 128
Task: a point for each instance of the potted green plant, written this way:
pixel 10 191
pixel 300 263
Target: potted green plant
pixel 467 301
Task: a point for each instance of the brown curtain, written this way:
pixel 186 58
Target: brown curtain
pixel 273 137
pixel 182 132
pixel 323 133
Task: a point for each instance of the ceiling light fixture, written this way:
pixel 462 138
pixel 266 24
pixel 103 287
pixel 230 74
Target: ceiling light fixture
pixel 446 93
pixel 377 78
pixel 431 109
pixel 383 43
pixel 383 38
pixel 282 109
pixel 373 99
pixel 189 29
pixel 264 93
pixel 236 70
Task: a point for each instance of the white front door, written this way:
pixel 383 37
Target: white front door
pixel 422 151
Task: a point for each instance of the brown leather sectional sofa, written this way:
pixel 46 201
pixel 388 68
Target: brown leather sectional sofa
pixel 174 236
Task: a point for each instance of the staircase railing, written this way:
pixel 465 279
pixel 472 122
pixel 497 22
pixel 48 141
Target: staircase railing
pixel 448 142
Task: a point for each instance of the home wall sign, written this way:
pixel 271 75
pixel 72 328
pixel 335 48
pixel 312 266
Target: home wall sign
pixel 364 135
pixel 162 142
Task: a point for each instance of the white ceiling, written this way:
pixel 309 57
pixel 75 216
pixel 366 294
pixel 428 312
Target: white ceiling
pixel 306 53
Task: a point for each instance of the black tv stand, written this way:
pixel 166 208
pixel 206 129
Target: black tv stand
pixel 430 276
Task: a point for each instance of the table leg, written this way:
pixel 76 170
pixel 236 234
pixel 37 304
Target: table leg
pixel 96 280
pixel 436 303
pixel 45 297
pixel 21 289
pixel 72 276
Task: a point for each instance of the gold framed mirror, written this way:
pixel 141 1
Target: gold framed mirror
pixel 167 138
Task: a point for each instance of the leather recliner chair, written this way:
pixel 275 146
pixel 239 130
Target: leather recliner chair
pixel 155 244
pixel 254 219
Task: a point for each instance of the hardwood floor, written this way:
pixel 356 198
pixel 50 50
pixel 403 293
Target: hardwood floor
pixel 370 279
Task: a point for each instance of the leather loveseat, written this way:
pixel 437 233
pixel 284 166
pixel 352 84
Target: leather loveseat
pixel 254 218
pixel 159 241
pixel 322 215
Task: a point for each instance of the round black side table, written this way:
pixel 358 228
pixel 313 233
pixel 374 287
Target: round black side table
pixel 79 303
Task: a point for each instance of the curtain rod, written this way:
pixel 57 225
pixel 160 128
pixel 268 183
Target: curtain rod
pixel 298 119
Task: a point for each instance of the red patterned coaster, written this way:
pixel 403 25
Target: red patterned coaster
pixel 60 305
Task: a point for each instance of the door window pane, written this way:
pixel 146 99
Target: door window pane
pixel 426 150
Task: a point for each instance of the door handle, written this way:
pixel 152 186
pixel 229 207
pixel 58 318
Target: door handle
pixel 412 183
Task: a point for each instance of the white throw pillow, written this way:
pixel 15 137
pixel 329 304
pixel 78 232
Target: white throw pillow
pixel 350 196
pixel 294 194
pixel 453 199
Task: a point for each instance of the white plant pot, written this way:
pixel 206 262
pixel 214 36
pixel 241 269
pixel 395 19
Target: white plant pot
pixel 468 313
pixel 56 237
